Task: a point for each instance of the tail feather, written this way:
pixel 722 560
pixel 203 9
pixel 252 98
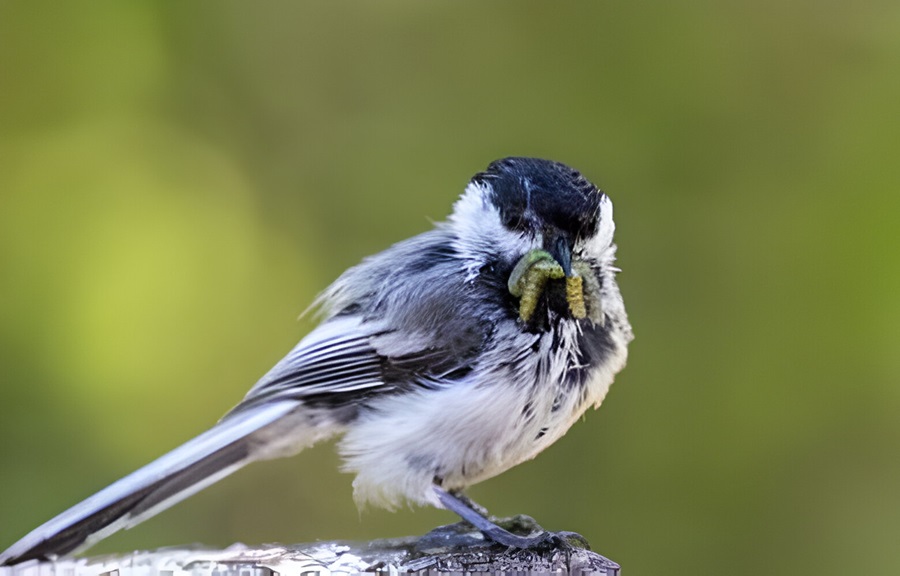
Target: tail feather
pixel 171 478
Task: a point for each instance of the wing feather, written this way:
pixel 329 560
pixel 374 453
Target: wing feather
pixel 336 358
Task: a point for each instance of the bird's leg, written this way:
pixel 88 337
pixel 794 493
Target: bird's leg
pixel 469 503
pixel 477 517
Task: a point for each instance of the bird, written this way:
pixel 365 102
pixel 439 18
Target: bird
pixel 440 362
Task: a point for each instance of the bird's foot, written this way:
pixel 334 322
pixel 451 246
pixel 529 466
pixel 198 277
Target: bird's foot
pixel 516 532
pixel 523 531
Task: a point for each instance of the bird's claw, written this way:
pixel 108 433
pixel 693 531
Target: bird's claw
pixel 537 537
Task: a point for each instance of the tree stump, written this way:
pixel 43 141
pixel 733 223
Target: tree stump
pixel 453 549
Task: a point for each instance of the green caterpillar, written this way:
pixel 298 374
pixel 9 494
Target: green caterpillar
pixel 531 274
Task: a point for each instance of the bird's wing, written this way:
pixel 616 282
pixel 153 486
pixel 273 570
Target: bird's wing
pixel 402 319
pixel 337 358
pixel 348 358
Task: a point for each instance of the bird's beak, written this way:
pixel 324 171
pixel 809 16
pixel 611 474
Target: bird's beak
pixel 558 247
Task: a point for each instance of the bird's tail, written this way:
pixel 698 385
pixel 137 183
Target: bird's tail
pixel 182 472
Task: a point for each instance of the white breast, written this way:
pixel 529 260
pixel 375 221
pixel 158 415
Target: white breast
pixel 465 433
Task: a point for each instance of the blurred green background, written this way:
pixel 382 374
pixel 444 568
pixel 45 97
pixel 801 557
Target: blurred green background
pixel 179 180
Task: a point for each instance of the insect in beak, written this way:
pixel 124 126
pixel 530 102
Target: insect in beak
pixel 537 267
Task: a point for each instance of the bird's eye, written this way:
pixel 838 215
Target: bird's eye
pixel 487 269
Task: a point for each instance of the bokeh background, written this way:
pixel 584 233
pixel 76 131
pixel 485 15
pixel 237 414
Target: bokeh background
pixel 179 180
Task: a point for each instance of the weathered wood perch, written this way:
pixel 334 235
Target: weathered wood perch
pixel 452 549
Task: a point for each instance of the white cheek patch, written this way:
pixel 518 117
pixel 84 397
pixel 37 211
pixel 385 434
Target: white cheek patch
pixel 600 246
pixel 480 232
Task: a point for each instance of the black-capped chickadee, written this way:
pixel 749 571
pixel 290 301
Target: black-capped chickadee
pixel 443 361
